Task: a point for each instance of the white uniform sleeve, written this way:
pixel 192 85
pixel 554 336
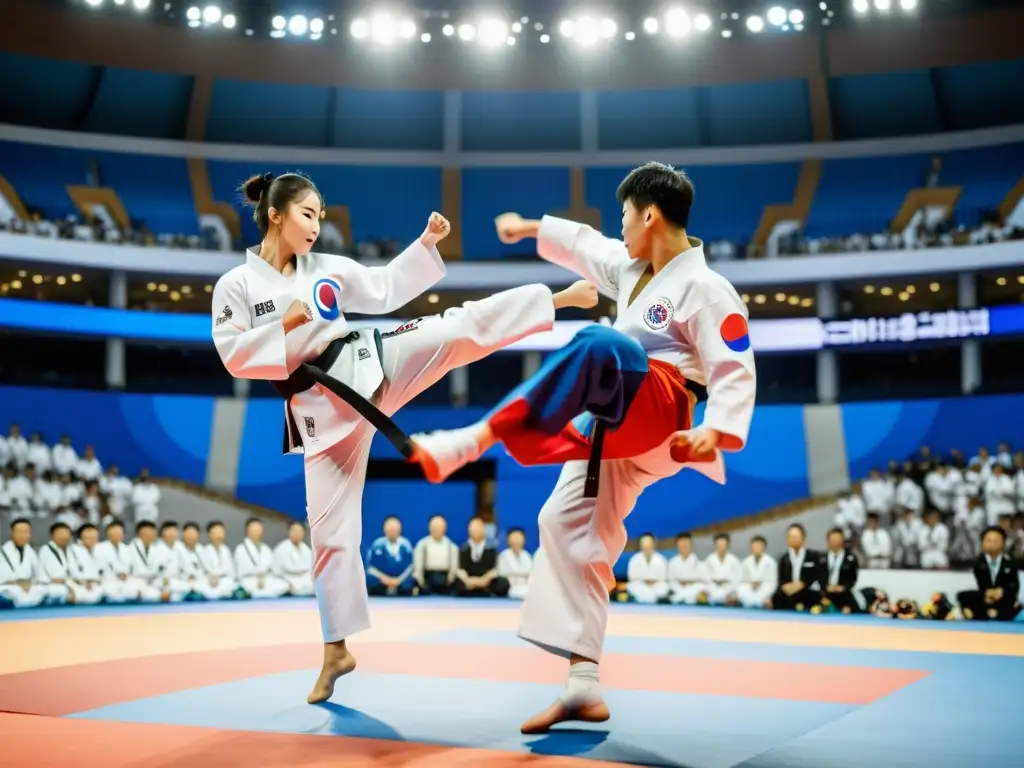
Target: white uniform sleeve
pixel 247 352
pixel 380 290
pixel 731 377
pixel 583 250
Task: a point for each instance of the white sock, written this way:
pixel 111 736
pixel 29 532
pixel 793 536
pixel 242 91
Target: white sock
pixel 583 686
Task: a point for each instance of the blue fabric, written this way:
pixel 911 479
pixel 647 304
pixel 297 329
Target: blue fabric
pixel 380 558
pixel 599 372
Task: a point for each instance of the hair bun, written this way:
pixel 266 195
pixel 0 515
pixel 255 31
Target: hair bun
pixel 256 186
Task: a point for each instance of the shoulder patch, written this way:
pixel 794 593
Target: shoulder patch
pixel 734 333
pixel 658 313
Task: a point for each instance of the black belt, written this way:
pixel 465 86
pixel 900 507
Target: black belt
pixel 309 374
pixel 593 481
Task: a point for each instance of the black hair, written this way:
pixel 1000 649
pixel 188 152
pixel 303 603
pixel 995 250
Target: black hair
pixel 83 528
pixel 722 536
pixel 57 526
pixel 872 516
pixel 803 531
pixel 18 521
pixel 993 529
pixel 647 535
pixel 190 524
pixel 267 191
pixel 252 520
pixel 302 525
pixel 115 523
pixel 144 525
pixel 840 531
pixel 389 517
pixel 213 524
pixel 168 524
pixel 662 185
pixel 515 530
pixel 761 539
pixel 683 536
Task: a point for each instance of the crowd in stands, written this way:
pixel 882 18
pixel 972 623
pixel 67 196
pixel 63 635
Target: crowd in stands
pixel 45 483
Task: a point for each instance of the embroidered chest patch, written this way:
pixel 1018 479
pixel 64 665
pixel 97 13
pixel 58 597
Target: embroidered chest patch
pixel 658 314
pixel 325 298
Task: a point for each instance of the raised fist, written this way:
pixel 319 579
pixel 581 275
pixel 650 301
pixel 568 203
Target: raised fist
pixel 437 230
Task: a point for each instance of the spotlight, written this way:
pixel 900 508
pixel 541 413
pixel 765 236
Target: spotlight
pixel 883 6
pixel 567 27
pixel 651 26
pixel 316 26
pixel 726 33
pixel 229 21
pixel 796 16
pixel 193 14
pixel 467 32
pixel 755 24
pixel 608 28
pixel 631 35
pixel 908 5
pixel 777 16
pixel 425 37
pixel 702 22
pixel 211 14
pixel 382 28
pixel 141 5
pixel 278 22
pixel 94 3
pixel 860 6
pixel 545 39
pixel 298 25
pixel 677 23
pixel 360 29
pixel 586 31
pixel 510 41
pixel 447 30
pixel 493 32
pixel 406 29
pixel 517 27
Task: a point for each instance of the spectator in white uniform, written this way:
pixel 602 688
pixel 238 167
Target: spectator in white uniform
pixel 17 446
pixel 220 563
pixel 93 508
pixel 254 562
pixel 145 498
pixel 114 558
pixel 984 459
pixel 89 467
pixel 687 578
pixel 515 564
pixel 19 569
pixel 851 513
pixel 37 505
pixel 48 493
pixel 724 571
pixel 909 495
pixel 167 555
pixel 647 573
pixel 19 494
pixel 71 491
pixel 907 539
pixel 146 565
pixel 191 565
pixel 54 568
pixel 118 489
pixel 65 458
pixel 940 486
pixel 1000 494
pixel 876 544
pixel 934 542
pixel 38 454
pixel 84 568
pixel 760 576
pixel 293 561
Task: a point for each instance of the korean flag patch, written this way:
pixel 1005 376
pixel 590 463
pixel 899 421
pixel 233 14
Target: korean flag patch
pixel 325 298
pixel 734 333
pixel 658 314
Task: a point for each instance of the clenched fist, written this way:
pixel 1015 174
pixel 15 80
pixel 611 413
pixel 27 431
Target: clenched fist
pixel 299 313
pixel 437 230
pixel 580 294
pixel 512 228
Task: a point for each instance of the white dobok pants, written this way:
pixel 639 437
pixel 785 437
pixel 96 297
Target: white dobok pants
pixel 643 592
pixel 37 594
pixel 264 587
pixel 750 597
pixel 413 360
pixel 566 611
pixel 687 594
pixel 300 584
pixel 720 594
pixel 118 591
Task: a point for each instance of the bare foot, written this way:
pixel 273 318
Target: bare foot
pixel 336 664
pixel 595 712
pixel 431 470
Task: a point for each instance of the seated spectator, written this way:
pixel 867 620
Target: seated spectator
pixel 83 567
pixel 38 454
pixel 934 542
pixel 998 582
pixel 389 563
pixel 908 538
pixel 65 459
pixel 19 569
pixel 968 488
pixel 515 564
pixel 940 487
pixel 687 577
pixel 1004 455
pixel 876 544
pixel 293 561
pixel 968 523
pixel 19 495
pixel 54 571
pixel 48 495
pixel 985 460
pixel 115 559
pixel 118 490
pixel 477 575
pixel 145 498
pixel 191 569
pixel 93 508
pixel 724 572
pixel 1000 494
pixel 17 446
pixel 89 467
pixel 254 563
pixel 909 495
pixel 840 575
pixel 851 512
pixel 760 574
pixel 435 559
pixel 800 572
pixel 166 556
pixel 220 563
pixel 647 573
